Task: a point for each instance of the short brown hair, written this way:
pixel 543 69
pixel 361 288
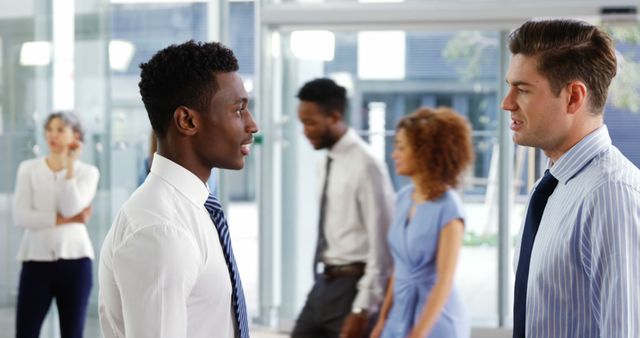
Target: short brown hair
pixel 440 140
pixel 569 50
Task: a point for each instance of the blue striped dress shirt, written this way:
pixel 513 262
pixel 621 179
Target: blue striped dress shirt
pixel 584 277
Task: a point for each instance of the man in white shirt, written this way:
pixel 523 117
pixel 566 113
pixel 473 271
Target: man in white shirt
pixel 352 260
pixel 166 268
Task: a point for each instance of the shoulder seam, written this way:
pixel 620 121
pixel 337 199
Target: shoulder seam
pixel 145 227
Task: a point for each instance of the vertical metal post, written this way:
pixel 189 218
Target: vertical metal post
pixel 505 191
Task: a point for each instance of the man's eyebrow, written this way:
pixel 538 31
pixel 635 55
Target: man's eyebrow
pixel 518 83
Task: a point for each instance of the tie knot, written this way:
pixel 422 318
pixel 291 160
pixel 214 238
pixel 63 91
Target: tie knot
pixel 212 204
pixel 547 184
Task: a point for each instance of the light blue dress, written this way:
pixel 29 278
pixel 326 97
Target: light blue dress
pixel 414 248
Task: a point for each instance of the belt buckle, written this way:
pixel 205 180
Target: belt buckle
pixel 320 268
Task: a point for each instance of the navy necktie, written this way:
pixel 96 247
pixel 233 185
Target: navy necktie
pixel 321 246
pixel 538 201
pixel 239 307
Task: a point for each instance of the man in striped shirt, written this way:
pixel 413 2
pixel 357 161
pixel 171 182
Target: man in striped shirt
pixel 584 259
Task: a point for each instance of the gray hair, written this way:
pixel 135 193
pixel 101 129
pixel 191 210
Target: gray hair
pixel 68 118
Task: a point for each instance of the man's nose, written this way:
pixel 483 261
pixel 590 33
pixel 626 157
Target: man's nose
pixel 508 102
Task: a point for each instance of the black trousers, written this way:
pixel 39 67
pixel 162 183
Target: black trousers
pixel 68 281
pixel 328 304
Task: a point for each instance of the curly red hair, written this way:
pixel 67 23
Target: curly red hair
pixel 440 140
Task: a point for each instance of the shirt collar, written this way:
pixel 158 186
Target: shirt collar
pixel 572 162
pixel 180 178
pixel 345 142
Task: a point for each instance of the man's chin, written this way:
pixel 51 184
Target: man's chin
pixel 239 166
pixel 232 166
pixel 317 146
pixel 521 140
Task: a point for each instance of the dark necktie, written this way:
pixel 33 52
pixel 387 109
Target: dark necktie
pixel 322 239
pixel 538 201
pixel 239 307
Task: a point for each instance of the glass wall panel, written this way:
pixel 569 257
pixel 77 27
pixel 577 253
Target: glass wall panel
pixel 54 57
pixel 242 185
pixel 622 113
pixel 19 99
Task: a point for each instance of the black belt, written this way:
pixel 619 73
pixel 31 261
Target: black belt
pixel 344 270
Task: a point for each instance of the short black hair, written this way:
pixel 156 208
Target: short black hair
pixel 325 93
pixel 182 75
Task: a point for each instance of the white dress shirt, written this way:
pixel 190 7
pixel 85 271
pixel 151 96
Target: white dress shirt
pixel 359 208
pixel 162 270
pixel 40 194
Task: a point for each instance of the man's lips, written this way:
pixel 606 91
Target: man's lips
pixel 516 124
pixel 244 148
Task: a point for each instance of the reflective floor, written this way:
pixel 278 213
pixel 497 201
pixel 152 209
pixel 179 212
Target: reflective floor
pixel 92 329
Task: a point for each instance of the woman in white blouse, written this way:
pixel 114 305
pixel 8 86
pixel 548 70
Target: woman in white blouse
pixel 52 203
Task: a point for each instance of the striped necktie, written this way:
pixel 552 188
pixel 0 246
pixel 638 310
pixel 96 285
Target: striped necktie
pixel 537 203
pixel 321 245
pixel 239 307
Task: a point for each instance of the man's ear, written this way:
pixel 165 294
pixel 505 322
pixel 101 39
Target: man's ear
pixel 577 96
pixel 186 121
pixel 335 116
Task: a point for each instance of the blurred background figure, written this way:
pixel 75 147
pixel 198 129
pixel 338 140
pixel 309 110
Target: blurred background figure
pixel 352 258
pixel 53 197
pixel 145 168
pixel 434 148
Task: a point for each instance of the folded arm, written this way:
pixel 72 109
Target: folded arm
pixel 76 193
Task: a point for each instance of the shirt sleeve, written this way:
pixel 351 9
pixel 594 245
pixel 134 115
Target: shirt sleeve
pixel 155 270
pixel 76 193
pixel 25 213
pixel 376 200
pixel 612 236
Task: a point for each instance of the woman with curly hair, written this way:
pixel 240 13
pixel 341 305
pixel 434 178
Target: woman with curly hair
pixel 433 147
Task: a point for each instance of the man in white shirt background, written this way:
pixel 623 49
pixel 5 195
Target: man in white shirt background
pixel 352 259
pixel 167 268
